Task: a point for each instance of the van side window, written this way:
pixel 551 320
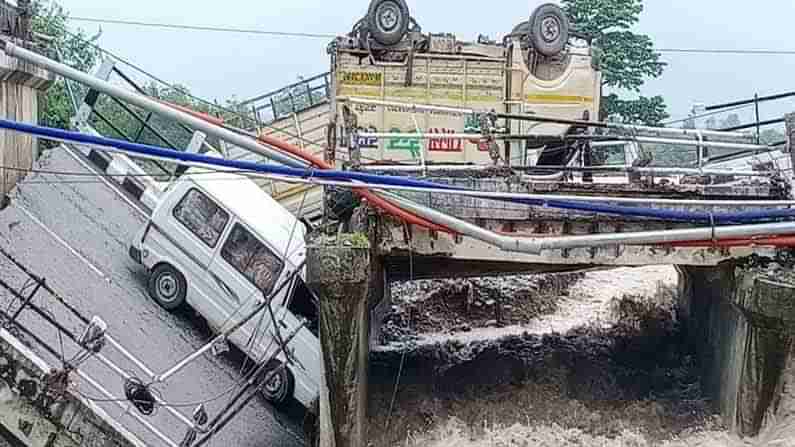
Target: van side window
pixel 203 217
pixel 252 258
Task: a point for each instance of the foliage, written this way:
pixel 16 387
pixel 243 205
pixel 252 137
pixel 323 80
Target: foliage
pixel 75 48
pixel 646 111
pixel 627 58
pixel 771 136
pixel 72 48
pixel 733 120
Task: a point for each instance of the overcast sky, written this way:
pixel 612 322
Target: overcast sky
pixel 218 65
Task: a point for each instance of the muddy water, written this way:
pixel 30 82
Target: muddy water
pixel 630 382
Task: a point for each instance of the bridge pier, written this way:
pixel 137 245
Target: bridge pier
pixel 741 319
pixel 339 273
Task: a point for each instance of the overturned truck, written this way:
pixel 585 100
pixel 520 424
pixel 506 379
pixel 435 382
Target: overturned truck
pixel 369 109
pixel 543 66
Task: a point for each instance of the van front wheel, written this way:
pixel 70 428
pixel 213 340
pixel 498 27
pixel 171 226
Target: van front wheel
pixel 167 287
pixel 279 388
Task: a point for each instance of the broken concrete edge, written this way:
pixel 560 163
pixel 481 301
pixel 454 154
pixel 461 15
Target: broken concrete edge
pixel 738 320
pixel 16 71
pixel 765 294
pixel 36 415
pixel 342 260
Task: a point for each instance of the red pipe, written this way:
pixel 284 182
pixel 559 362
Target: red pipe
pixel 376 201
pixel 773 241
pixel 318 162
pixel 202 116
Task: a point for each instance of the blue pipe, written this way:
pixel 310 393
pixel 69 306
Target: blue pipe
pixel 142 149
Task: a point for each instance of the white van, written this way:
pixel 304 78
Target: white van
pixel 218 243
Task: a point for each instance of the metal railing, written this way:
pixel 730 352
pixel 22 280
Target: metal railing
pixel 294 98
pixel 757 124
pixel 107 113
pixel 87 342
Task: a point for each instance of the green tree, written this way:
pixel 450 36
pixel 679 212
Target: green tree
pixel 71 47
pixel 77 49
pixel 627 59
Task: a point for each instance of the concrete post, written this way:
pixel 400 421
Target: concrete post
pixel 781 426
pixel 742 320
pixel 20 85
pixel 339 274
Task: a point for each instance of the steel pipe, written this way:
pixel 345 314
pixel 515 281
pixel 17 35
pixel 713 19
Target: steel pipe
pixel 594 169
pixel 424 136
pixel 684 142
pixel 606 125
pixel 411 107
pixel 536 246
pixel 478 194
pixel 149 104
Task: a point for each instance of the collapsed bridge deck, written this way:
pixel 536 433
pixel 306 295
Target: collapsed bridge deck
pixel 410 251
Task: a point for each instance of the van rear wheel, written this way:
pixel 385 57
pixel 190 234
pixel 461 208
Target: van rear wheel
pixel 279 388
pixel 167 287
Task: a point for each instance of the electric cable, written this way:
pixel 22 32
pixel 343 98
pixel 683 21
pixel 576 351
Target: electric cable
pixel 295 34
pixel 357 180
pixel 223 29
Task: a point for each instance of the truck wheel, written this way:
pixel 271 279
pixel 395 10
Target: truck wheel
pixel 279 389
pixel 388 21
pixel 549 30
pixel 167 287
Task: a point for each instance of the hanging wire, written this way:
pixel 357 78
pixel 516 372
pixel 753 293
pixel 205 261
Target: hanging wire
pixel 405 348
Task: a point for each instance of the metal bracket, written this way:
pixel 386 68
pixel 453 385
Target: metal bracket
pixel 89 102
pixel 93 338
pixel 196 142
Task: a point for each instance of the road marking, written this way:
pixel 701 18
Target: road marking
pixel 64 243
pixel 111 185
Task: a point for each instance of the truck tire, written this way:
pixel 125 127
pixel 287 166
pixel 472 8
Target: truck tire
pixel 388 21
pixel 279 389
pixel 549 30
pixel 167 287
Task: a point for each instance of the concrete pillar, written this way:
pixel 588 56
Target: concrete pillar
pixel 20 85
pixel 339 273
pixel 780 427
pixel 742 321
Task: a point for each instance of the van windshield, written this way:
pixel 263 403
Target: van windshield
pixel 252 258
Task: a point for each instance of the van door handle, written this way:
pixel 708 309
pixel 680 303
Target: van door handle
pixel 226 288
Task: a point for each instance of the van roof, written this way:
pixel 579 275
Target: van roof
pixel 244 198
